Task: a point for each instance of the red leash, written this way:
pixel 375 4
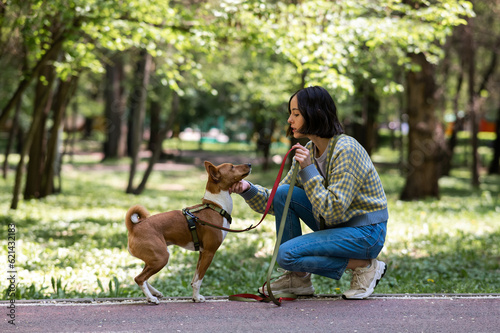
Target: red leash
pixel 270 297
pixel 275 186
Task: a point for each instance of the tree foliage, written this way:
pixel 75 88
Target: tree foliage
pixel 230 58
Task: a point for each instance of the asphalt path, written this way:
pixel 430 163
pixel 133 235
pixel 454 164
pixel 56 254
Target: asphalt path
pixel 326 313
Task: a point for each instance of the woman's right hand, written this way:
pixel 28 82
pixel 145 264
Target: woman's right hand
pixel 239 187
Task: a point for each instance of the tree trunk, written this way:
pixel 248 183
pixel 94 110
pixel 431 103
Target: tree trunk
pixel 264 140
pixel 457 126
pixel 426 138
pixel 43 102
pixel 20 166
pixel 52 167
pixel 495 162
pixel 472 105
pixel 137 113
pixel 36 123
pixel 10 141
pixel 369 112
pixel 158 147
pixel 114 147
pixel 155 118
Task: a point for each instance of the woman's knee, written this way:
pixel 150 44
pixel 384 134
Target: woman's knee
pixel 285 258
pixel 280 195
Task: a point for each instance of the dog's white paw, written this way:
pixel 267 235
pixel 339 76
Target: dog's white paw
pixel 153 299
pixel 198 299
pixel 153 290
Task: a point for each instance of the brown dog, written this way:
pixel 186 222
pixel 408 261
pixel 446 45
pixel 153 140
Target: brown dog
pixel 149 236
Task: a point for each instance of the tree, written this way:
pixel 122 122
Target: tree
pixel 356 49
pixel 331 45
pixel 69 38
pixel 137 112
pixel 114 109
pixel 425 137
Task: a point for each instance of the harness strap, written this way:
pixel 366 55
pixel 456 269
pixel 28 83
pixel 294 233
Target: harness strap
pixel 191 221
pixel 213 207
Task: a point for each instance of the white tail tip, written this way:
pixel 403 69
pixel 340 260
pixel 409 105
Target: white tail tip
pixel 135 218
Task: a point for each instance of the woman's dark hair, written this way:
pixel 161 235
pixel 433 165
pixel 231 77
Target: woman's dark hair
pixel 319 112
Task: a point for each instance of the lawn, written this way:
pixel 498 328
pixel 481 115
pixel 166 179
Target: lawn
pixel 75 244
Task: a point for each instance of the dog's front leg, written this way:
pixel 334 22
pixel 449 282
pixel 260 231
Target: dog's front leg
pixel 204 261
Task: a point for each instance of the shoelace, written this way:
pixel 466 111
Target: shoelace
pixel 283 272
pixel 358 280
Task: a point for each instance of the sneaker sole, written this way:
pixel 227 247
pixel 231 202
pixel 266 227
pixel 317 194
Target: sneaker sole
pixel 370 289
pixel 295 291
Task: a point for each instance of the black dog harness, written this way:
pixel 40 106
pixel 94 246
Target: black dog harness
pixel 192 220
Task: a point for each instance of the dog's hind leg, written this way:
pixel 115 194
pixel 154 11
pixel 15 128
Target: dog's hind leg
pixel 153 290
pixel 142 279
pixel 204 260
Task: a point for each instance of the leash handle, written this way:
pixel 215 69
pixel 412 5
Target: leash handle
pixel 280 234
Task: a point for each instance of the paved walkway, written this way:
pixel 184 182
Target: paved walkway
pixel 379 313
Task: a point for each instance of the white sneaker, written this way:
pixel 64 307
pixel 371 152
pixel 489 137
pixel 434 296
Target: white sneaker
pixel 364 280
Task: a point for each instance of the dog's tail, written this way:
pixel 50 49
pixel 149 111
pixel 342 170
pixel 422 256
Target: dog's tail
pixel 135 214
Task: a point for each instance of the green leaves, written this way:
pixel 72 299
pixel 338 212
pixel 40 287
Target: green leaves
pixel 329 43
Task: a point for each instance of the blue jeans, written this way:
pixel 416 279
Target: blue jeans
pixel 323 252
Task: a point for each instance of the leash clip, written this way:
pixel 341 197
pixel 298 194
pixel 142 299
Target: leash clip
pixel 191 219
pixel 188 213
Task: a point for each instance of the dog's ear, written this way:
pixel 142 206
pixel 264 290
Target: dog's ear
pixel 212 171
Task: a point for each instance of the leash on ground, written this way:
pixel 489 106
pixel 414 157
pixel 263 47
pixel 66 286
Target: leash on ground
pixel 270 296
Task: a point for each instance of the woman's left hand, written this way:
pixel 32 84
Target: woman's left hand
pixel 302 155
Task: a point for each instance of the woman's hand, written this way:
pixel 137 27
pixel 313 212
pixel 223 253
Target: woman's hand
pixel 302 155
pixel 239 187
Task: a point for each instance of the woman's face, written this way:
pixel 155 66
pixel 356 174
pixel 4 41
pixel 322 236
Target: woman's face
pixel 295 119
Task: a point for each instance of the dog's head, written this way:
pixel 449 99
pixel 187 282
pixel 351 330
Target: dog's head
pixel 225 175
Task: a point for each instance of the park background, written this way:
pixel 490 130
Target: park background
pixel 106 104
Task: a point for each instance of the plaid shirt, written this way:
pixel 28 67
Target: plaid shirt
pixel 353 195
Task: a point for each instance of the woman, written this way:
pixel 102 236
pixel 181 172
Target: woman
pixel 338 194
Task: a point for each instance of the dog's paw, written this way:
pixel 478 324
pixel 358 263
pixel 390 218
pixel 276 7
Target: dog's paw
pixel 153 290
pixel 153 300
pixel 198 299
pixel 157 294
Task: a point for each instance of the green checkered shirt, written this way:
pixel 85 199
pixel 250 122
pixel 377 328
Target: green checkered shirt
pixel 353 195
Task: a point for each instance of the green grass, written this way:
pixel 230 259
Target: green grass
pixel 75 244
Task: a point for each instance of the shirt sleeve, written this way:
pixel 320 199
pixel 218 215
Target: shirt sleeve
pixel 346 172
pixel 257 196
